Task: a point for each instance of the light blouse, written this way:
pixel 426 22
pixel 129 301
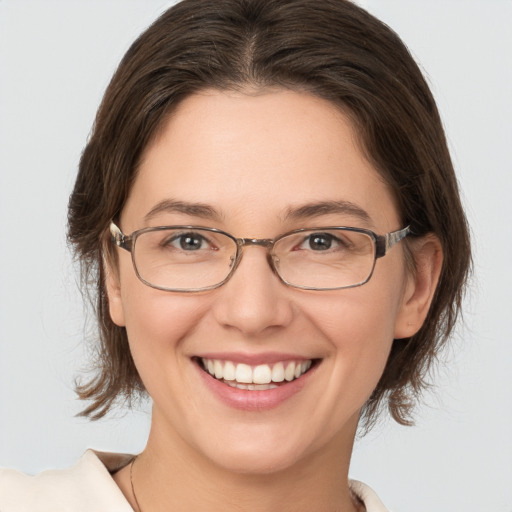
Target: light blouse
pixel 88 486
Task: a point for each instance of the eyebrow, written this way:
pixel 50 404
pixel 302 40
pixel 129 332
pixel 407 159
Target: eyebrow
pixel 202 210
pixel 319 209
pixel 306 211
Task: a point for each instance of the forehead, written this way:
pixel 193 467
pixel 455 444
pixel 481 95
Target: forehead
pixel 260 155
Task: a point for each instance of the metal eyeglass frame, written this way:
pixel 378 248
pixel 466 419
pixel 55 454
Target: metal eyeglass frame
pixel 382 244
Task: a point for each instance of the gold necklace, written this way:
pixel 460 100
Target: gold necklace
pixel 357 500
pixel 131 483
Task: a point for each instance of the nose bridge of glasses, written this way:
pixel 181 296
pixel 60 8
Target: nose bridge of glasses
pixel 262 242
pixel 266 243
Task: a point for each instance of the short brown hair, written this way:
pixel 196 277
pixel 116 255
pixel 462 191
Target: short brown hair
pixel 330 48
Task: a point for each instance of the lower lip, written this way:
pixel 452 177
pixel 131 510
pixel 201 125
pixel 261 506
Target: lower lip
pixel 255 400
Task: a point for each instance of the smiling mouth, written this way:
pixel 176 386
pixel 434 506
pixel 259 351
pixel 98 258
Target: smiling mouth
pixel 255 378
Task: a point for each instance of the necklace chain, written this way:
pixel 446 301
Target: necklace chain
pixel 357 501
pixel 131 483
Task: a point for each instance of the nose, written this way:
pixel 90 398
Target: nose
pixel 254 301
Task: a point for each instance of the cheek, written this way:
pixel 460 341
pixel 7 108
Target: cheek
pixel 359 325
pixel 157 322
pixel 357 318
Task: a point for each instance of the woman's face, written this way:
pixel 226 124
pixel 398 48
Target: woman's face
pixel 255 161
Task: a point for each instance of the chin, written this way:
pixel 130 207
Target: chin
pixel 257 462
pixel 260 451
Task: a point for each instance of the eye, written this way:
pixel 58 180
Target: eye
pixel 187 242
pixel 321 242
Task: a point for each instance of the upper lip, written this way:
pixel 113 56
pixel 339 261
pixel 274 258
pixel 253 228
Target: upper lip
pixel 254 359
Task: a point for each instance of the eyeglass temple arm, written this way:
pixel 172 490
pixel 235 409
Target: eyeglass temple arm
pixel 119 238
pixel 386 242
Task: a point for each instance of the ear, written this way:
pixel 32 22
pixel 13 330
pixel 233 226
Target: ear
pixel 421 285
pixel 113 288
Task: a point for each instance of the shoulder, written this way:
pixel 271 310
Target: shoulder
pixel 368 496
pixel 85 487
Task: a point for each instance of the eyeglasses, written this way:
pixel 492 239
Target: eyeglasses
pixel 193 259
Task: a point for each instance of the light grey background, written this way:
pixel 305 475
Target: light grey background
pixel 56 58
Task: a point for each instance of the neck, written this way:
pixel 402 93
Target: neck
pixel 170 475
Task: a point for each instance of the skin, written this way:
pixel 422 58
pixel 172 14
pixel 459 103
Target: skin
pixel 253 157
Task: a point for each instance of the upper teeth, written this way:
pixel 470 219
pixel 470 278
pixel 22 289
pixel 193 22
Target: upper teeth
pixel 261 374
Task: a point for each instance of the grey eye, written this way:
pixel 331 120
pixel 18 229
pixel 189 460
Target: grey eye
pixel 188 242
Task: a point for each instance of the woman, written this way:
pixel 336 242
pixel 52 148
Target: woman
pixel 269 210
